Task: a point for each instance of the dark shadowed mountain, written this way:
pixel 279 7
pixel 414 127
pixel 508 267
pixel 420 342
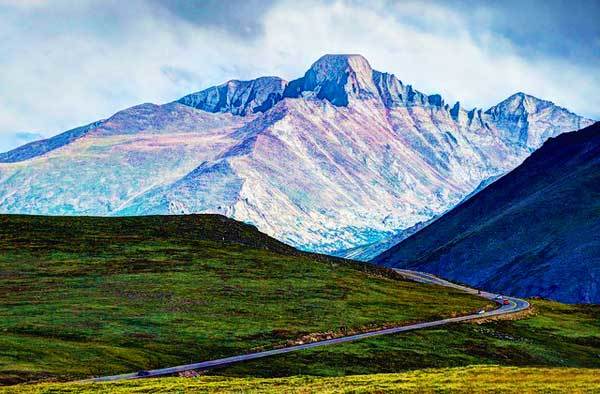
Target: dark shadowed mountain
pixel 533 232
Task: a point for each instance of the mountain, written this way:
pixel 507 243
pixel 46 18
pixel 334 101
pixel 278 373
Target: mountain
pixel 342 157
pixel 533 232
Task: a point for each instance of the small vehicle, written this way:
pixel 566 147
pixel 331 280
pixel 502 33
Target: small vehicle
pixel 143 373
pixel 499 297
pixel 505 302
pixel 481 312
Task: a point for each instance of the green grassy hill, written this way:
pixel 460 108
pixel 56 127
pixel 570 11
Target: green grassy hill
pixel 94 296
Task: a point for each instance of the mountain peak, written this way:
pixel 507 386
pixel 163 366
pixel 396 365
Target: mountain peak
pixel 339 63
pixel 523 96
pixel 513 114
pixel 520 104
pixel 336 78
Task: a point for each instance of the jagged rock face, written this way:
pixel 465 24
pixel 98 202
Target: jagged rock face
pixel 342 157
pixel 238 97
pixel 394 93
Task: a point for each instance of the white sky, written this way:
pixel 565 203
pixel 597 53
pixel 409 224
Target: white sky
pixel 66 63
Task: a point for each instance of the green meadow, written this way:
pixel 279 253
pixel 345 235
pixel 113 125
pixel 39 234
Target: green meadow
pixel 475 379
pixel 85 296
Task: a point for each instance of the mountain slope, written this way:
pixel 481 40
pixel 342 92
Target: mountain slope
pixel 136 149
pixel 343 157
pixel 533 232
pixel 38 148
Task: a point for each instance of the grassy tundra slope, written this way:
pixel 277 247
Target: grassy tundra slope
pixel 92 296
pixel 476 379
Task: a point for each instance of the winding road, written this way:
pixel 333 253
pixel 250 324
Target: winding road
pixel 514 305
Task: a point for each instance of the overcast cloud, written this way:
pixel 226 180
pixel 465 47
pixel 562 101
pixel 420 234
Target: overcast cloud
pixel 67 63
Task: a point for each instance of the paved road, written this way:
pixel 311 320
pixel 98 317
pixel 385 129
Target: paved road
pixel 515 305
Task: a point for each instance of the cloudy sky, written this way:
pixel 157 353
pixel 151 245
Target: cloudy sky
pixel 67 63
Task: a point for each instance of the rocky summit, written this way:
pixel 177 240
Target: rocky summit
pixel 342 158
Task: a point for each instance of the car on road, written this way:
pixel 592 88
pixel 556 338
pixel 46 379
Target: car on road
pixel 505 302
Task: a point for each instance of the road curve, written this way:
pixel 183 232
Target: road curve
pixel 515 305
